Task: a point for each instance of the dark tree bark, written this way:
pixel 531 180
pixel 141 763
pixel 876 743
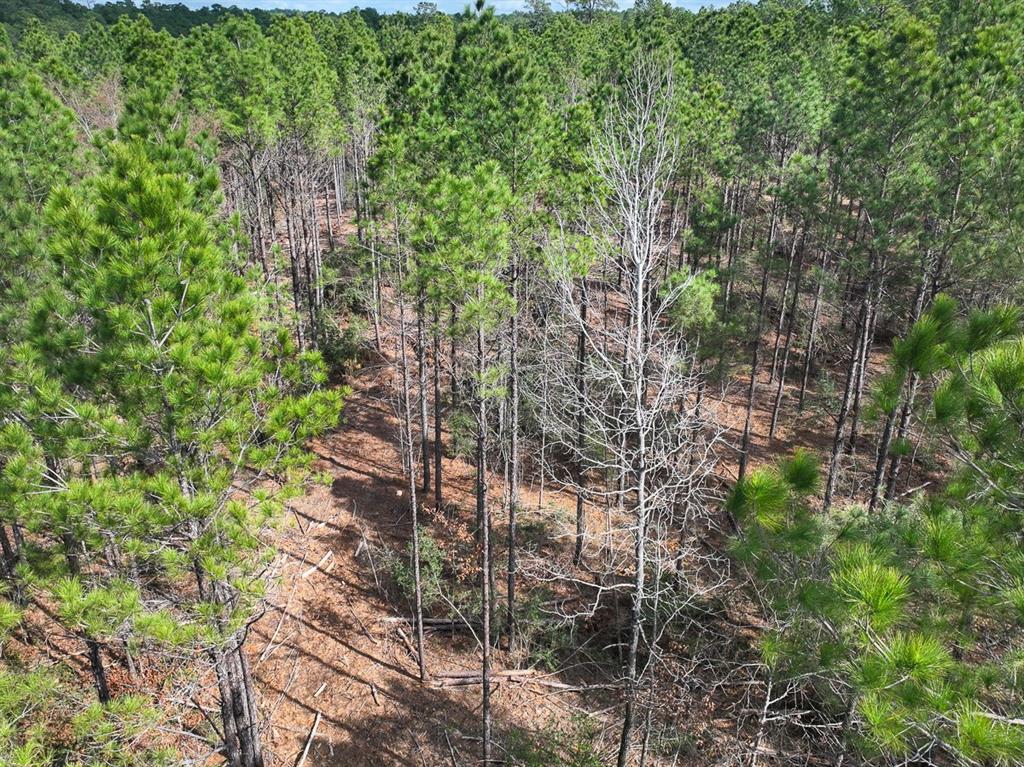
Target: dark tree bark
pixel 844 409
pixel 783 295
pixel 812 331
pixel 438 446
pixel 421 371
pixel 792 321
pixel 411 470
pixel 754 360
pixel 99 674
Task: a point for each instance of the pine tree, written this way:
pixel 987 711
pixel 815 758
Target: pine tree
pixel 229 74
pixel 463 233
pixel 889 606
pixel 310 126
pixel 200 408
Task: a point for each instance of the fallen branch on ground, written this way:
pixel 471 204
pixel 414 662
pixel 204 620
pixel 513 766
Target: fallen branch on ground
pixel 527 675
pixel 309 741
pixel 319 564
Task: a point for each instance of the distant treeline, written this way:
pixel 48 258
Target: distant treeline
pixel 63 16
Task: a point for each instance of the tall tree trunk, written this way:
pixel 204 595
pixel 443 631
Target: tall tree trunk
pixel 862 370
pixel 882 453
pixel 755 356
pixel 812 331
pixel 483 516
pixel 327 212
pixel 375 309
pixel 896 461
pixel 421 371
pixel 792 314
pixel 438 445
pixel 298 204
pixel 296 278
pixel 844 409
pixel 636 608
pixel 734 251
pixel 261 245
pixel 908 391
pixel 411 462
pixel 513 452
pixel 339 186
pixel 581 521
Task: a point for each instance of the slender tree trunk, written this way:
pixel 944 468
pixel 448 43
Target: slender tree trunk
pixel 882 453
pixel 327 212
pixel 99 674
pixel 482 512
pixel 755 750
pixel 792 317
pixel 752 386
pixel 636 609
pixel 261 245
pixel 896 461
pixel 239 714
pixel 298 204
pixel 513 448
pixel 339 187
pixel 685 224
pixel 421 370
pixel 296 279
pixel 844 410
pixel 812 331
pixel 880 483
pixel 245 710
pixel 438 445
pixel 581 521
pixel 781 319
pixel 375 280
pixel 844 728
pixel 734 251
pixel 318 254
pixel 411 463
pixel 862 370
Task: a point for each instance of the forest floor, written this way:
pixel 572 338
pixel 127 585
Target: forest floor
pixel 333 644
pixel 334 652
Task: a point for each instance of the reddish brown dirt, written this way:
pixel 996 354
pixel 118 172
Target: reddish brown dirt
pixel 328 625
pixel 332 643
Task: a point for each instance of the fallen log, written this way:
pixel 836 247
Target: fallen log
pixel 436 624
pixel 526 675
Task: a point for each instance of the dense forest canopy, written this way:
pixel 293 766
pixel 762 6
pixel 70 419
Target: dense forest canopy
pixel 636 387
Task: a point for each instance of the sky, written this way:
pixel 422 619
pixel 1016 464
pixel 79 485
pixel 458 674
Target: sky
pixel 407 5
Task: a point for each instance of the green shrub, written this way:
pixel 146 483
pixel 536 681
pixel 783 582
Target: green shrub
pixel 431 571
pixel 344 349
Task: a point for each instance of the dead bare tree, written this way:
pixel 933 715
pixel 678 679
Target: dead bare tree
pixel 631 383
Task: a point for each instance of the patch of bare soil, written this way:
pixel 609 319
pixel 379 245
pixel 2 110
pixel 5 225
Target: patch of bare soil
pixel 330 643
